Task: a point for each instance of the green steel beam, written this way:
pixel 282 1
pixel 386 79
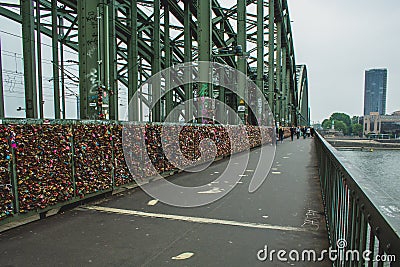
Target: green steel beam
pixel 284 84
pixel 205 45
pixel 288 93
pixel 260 45
pixel 193 32
pixel 1 86
pixel 112 56
pixel 103 58
pixel 221 115
pixel 61 33
pixel 89 58
pixel 241 62
pixel 48 32
pixel 28 45
pixel 39 60
pixel 156 64
pixel 271 60
pixel 55 55
pixel 279 97
pixel 188 58
pixel 228 29
pixel 204 38
pixel 133 60
pixel 169 104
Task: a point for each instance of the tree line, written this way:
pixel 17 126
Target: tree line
pixel 343 123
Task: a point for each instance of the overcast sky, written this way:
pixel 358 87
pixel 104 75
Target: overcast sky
pixel 339 40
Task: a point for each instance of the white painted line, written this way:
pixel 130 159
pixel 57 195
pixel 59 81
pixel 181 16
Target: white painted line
pixel 183 256
pixel 249 170
pixel 152 202
pixel 195 219
pixel 215 190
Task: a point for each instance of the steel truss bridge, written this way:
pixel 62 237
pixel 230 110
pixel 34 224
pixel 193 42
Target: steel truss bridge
pixel 119 44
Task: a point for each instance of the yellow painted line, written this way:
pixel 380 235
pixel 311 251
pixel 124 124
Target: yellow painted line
pixel 195 219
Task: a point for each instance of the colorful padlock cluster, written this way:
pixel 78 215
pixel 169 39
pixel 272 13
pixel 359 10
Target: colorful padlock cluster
pixel 50 164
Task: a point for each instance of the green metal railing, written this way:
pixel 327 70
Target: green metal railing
pixel 361 218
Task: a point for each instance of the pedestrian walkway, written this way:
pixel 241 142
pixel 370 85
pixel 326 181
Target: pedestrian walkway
pixel 132 229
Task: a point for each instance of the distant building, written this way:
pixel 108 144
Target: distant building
pixel 374 123
pixel 375 91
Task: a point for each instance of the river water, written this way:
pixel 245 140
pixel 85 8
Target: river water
pixel 380 166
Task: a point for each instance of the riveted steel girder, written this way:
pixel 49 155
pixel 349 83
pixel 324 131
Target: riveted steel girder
pixel 127 52
pixel 28 42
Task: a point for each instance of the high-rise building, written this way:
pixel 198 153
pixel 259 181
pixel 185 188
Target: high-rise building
pixel 375 91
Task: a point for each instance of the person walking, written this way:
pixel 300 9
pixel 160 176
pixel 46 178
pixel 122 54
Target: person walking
pixel 281 133
pixel 304 132
pixel 292 132
pixel 298 132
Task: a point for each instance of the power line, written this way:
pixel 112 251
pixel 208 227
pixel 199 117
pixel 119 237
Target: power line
pixel 43 44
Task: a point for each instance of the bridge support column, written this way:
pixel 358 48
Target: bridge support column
pixel 39 60
pixel 279 96
pixel 1 87
pixel 284 85
pixel 156 64
pixel 271 56
pixel 28 45
pixel 188 58
pixel 289 90
pixel 169 101
pixel 260 47
pixel 242 63
pixel 133 61
pixel 55 55
pixel 221 110
pixel 112 65
pixel 205 44
pixel 93 58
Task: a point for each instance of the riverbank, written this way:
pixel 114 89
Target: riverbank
pixel 364 143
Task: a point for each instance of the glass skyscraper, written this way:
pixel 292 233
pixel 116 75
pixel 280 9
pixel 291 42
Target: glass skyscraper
pixel 375 91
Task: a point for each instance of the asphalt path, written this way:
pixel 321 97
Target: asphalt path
pixel 134 229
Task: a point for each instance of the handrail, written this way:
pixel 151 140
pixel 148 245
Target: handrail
pixel 360 216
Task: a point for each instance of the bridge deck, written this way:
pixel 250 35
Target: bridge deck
pixel 285 213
